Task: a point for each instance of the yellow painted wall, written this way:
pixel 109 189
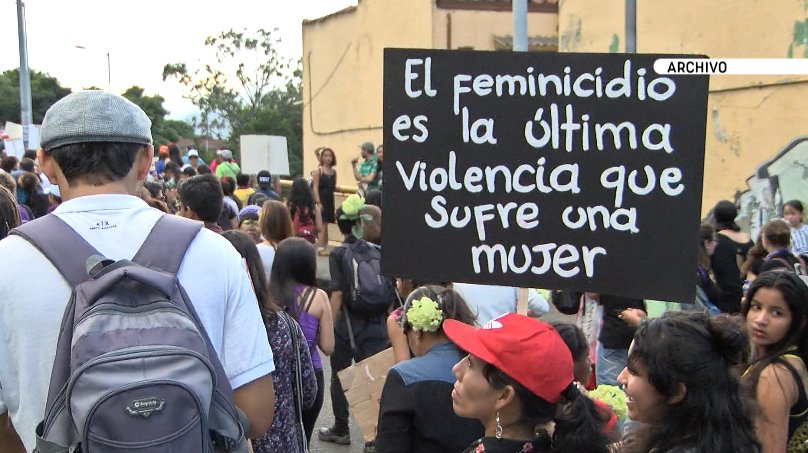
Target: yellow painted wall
pixel 343 57
pixel 342 74
pixel 750 118
pixel 476 29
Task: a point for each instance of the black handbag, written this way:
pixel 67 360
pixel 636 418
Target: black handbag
pixel 567 302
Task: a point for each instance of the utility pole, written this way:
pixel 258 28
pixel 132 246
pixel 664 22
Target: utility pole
pixel 109 74
pixel 520 25
pixel 631 26
pixel 25 77
pixel 109 67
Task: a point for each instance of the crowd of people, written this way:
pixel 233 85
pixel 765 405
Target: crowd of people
pixel 726 373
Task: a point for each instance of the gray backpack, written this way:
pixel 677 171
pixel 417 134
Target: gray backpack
pixel 134 367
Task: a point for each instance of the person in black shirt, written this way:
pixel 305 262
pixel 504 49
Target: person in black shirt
pixel 368 335
pixel 731 247
pixel 616 333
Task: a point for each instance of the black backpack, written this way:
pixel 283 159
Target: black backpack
pixel 372 294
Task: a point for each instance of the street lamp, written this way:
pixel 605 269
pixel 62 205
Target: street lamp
pixel 109 69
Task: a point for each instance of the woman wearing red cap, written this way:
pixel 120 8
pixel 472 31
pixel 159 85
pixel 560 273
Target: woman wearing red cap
pixel 517 380
pixel 681 383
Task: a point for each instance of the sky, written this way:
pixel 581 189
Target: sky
pixel 142 37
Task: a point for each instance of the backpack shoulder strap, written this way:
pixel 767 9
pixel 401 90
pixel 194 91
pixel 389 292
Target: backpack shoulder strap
pixel 165 246
pixel 786 263
pixel 60 244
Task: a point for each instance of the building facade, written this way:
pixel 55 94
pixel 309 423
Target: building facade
pixel 343 60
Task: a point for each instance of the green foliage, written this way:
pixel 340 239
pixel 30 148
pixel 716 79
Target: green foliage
pixel 249 89
pixel 163 130
pixel 45 91
pixel 176 129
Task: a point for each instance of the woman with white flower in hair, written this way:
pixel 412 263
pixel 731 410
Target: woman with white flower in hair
pixel 416 412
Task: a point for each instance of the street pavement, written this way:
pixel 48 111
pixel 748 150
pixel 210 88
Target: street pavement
pixel 327 419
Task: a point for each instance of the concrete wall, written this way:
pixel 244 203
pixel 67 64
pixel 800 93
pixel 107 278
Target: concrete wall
pixel 750 118
pixel 342 74
pixel 343 58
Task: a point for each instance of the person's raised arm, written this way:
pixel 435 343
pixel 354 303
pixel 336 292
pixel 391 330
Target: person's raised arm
pixel 398 340
pixel 315 186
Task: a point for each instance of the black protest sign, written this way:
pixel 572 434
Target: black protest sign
pixel 577 171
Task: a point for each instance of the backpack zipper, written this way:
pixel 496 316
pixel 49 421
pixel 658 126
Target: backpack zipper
pixel 110 307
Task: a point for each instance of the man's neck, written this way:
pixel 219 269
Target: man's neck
pixel 83 190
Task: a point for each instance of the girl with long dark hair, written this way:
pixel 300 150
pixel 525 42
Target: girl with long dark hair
pixel 286 433
pixel 323 184
pixel 776 312
pixel 306 220
pixel 293 287
pixel 681 382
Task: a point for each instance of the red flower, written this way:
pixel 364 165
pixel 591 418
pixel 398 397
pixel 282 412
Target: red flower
pixel 480 449
pixel 527 448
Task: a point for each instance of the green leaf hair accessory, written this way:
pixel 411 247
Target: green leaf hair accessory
pixel 424 315
pixel 351 207
pixel 614 397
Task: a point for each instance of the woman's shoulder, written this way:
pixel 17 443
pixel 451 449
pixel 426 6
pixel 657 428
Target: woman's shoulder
pixel 777 376
pixel 316 302
pixel 740 238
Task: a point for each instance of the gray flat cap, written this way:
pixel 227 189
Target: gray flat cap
pixel 94 116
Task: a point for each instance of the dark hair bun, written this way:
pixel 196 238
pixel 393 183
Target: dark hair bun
pixel 730 337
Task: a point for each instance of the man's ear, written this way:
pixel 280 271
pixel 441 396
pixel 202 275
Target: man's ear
pixel 679 393
pixel 48 165
pixel 144 162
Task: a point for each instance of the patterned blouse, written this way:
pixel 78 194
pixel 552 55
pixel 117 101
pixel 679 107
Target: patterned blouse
pixel 494 445
pixel 286 432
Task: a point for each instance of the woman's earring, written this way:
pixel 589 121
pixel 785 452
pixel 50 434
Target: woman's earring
pixel 499 428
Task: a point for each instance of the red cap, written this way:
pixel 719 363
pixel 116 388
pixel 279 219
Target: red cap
pixel 527 350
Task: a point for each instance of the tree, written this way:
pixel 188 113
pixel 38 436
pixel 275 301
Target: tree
pixel 178 129
pixel 249 89
pixel 45 91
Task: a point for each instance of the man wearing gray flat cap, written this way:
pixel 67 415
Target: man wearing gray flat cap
pixel 97 147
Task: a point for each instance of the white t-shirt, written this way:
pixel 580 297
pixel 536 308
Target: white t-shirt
pixel 33 297
pixel 267 253
pixel 488 301
pixel 232 203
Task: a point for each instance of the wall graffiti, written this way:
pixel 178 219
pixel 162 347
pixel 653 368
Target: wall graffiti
pixel 782 178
